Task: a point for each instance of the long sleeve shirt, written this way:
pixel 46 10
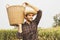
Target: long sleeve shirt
pixel 29 31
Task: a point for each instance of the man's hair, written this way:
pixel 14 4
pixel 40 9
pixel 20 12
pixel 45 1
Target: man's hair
pixel 28 14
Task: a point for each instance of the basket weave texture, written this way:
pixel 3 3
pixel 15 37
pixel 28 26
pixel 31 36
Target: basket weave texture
pixel 16 14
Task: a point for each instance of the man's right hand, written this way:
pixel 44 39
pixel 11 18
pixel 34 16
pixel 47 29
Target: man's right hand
pixel 26 4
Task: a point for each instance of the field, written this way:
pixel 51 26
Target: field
pixel 49 34
pixel 43 34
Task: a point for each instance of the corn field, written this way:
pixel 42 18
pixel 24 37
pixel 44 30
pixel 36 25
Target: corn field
pixel 43 34
pixel 49 34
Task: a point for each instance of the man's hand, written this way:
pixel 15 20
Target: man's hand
pixel 29 5
pixel 26 4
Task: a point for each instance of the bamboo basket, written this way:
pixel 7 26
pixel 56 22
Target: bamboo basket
pixel 16 14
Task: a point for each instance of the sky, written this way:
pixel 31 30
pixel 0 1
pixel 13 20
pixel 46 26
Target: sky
pixel 49 9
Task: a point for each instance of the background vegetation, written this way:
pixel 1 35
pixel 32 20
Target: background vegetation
pixel 56 20
pixel 43 34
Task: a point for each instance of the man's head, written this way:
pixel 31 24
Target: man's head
pixel 29 16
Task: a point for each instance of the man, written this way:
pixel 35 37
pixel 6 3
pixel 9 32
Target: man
pixel 29 28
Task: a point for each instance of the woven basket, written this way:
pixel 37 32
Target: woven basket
pixel 15 14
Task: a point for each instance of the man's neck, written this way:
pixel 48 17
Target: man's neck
pixel 28 22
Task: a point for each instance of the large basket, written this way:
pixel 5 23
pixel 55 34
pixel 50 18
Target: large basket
pixel 15 14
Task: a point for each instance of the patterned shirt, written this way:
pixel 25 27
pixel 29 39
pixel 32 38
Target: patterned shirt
pixel 29 31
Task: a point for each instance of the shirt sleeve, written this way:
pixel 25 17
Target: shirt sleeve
pixel 38 17
pixel 19 35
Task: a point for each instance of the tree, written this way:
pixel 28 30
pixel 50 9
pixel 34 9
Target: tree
pixel 56 20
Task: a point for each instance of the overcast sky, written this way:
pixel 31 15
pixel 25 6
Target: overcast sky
pixel 48 7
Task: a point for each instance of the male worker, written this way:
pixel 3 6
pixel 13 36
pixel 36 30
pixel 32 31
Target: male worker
pixel 29 28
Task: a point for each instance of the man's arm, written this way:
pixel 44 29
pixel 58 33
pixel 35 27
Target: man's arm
pixel 19 33
pixel 38 17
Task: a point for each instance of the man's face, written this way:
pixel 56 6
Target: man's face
pixel 29 17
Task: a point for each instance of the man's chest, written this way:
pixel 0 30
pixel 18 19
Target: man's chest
pixel 30 27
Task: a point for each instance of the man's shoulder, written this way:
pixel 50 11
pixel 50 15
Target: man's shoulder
pixel 24 23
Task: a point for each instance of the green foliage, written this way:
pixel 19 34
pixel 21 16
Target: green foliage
pixel 56 20
pixel 8 35
pixel 49 34
pixel 43 34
